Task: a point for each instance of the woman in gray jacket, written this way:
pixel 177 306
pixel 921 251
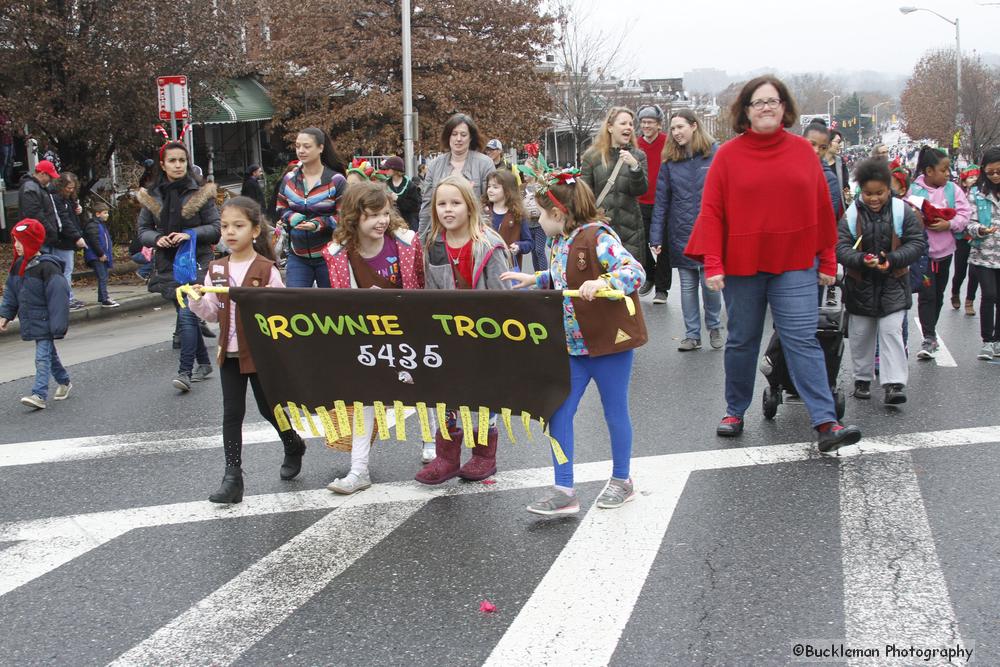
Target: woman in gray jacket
pixel 461 144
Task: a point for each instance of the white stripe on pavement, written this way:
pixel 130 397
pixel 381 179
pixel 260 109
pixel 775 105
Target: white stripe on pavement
pixel 894 588
pixel 943 356
pixel 234 617
pixel 578 611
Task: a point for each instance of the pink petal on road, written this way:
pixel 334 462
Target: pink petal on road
pixel 487 607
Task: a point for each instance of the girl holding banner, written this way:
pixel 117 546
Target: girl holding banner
pixel 462 253
pixel 586 254
pixel 372 248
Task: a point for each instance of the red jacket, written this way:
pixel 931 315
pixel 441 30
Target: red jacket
pixel 654 158
pixel 765 208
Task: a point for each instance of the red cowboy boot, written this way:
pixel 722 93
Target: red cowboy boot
pixel 483 463
pixel 445 464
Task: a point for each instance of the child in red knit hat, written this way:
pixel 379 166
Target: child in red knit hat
pixel 36 284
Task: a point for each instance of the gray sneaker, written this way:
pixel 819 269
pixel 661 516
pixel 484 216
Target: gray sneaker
pixel 201 372
pixel 352 483
pixel 715 338
pixel 660 298
pixel 183 381
pixel 62 392
pixel 428 453
pixel 996 349
pixel 927 349
pixel 689 344
pixel 986 354
pixel 34 401
pixel 616 493
pixel 555 503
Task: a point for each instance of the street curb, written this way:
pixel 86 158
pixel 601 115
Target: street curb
pixel 99 312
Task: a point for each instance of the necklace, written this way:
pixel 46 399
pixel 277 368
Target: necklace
pixel 456 257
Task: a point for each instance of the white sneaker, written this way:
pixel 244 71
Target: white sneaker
pixel 34 401
pixel 62 392
pixel 428 453
pixel 352 483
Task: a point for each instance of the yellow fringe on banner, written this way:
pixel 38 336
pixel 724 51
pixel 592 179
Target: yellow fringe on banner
pixel 281 419
pixel 359 418
pixel 296 417
pixel 425 423
pixel 557 451
pixel 484 425
pixel 526 422
pixel 442 415
pixel 466 414
pixel 399 409
pixel 505 415
pixel 343 420
pixel 383 425
pixel 309 420
pixel 329 430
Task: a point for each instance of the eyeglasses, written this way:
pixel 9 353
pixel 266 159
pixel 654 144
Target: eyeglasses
pixel 992 173
pixel 770 103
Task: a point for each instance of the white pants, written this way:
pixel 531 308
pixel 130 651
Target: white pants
pixel 888 331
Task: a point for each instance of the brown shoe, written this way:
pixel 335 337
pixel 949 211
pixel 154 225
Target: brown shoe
pixel 956 302
pixel 483 463
pixel 970 308
pixel 446 462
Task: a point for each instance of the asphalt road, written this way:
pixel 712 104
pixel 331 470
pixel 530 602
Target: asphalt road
pixel 735 553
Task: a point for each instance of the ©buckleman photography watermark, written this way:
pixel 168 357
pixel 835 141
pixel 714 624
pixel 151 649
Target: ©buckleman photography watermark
pixel 824 650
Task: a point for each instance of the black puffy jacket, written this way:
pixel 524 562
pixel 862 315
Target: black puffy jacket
pixel 870 292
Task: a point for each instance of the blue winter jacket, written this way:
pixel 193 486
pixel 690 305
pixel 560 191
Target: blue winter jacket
pixel 678 202
pixel 98 242
pixel 40 298
pixel 834 186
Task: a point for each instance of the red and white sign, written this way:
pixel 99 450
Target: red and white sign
pixel 172 93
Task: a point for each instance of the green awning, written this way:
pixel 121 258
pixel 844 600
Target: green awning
pixel 245 100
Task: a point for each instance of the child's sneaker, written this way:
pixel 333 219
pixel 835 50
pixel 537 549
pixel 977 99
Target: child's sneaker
pixel 352 483
pixel 928 349
pixel 555 504
pixel 894 394
pixel 110 303
pixel 74 304
pixel 183 381
pixel 862 389
pixel 62 392
pixel 34 401
pixel 428 453
pixel 201 372
pixel 616 493
pixel 986 354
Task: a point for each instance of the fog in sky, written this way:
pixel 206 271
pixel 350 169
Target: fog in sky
pixel 668 38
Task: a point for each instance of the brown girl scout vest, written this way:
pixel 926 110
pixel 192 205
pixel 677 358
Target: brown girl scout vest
pixel 258 275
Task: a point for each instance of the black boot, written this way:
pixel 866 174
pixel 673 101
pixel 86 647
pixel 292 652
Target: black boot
pixel 292 463
pixel 206 331
pixel 231 490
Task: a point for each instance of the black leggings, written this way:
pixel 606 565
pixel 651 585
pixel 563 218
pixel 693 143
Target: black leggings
pixel 234 407
pixel 962 250
pixel 932 296
pixel 989 302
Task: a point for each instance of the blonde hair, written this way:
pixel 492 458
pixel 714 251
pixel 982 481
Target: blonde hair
pixel 360 199
pixel 701 141
pixel 472 206
pixel 602 142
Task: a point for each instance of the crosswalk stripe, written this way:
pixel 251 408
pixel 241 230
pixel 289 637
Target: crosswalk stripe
pixel 578 611
pixel 894 588
pixel 223 625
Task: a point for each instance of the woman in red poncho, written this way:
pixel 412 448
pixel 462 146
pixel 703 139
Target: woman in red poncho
pixel 766 229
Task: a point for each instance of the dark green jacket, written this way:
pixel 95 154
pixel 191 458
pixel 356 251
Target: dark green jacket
pixel 622 203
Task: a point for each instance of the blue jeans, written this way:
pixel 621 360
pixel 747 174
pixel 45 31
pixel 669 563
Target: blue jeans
pixel 68 258
pixel 304 272
pixel 145 266
pixel 691 279
pixel 47 363
pixel 192 343
pixel 792 297
pixel 101 271
pixel 612 373
pixel 6 162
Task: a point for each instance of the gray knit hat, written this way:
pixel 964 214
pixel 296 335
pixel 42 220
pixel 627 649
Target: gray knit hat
pixel 651 111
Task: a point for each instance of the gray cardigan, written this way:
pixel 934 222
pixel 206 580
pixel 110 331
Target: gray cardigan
pixel 477 169
pixel 490 259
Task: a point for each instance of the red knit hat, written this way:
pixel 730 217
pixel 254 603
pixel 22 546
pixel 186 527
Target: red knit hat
pixel 31 235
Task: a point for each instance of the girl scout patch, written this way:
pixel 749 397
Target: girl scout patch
pixel 581 260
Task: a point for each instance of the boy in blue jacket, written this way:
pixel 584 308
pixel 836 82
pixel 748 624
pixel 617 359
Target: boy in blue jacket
pixel 98 255
pixel 37 292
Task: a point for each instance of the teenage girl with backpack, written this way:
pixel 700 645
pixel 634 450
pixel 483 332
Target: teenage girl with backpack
pixel 984 255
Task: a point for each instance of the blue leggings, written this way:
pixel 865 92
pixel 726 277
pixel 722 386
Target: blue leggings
pixel 612 374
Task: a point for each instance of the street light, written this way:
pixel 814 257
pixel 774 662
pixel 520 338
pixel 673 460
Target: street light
pixel 834 100
pixel 875 113
pixel 958 59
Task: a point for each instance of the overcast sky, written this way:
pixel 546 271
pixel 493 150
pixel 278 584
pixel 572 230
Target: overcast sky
pixel 669 38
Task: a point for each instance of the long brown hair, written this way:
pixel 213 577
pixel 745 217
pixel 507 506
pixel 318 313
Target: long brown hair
pixel 701 141
pixel 602 142
pixel 579 201
pixel 511 193
pixel 251 211
pixel 465 189
pixel 361 199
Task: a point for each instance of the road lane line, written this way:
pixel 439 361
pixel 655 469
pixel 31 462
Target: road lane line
pixel 577 613
pixel 234 617
pixel 894 588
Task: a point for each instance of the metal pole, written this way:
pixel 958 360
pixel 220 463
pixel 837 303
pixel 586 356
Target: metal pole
pixel 173 115
pixel 958 73
pixel 407 90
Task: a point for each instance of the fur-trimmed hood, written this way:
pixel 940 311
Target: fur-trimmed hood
pixel 190 208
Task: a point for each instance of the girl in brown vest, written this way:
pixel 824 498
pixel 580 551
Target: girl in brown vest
pixel 250 264
pixel 586 254
pixel 503 207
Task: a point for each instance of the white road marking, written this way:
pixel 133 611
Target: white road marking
pixel 577 613
pixel 234 617
pixel 942 357
pixel 50 542
pixel 894 589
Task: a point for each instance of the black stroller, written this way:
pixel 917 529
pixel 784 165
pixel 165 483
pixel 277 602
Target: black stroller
pixel 830 332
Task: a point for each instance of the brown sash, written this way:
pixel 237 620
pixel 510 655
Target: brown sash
pixel 364 275
pixel 510 229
